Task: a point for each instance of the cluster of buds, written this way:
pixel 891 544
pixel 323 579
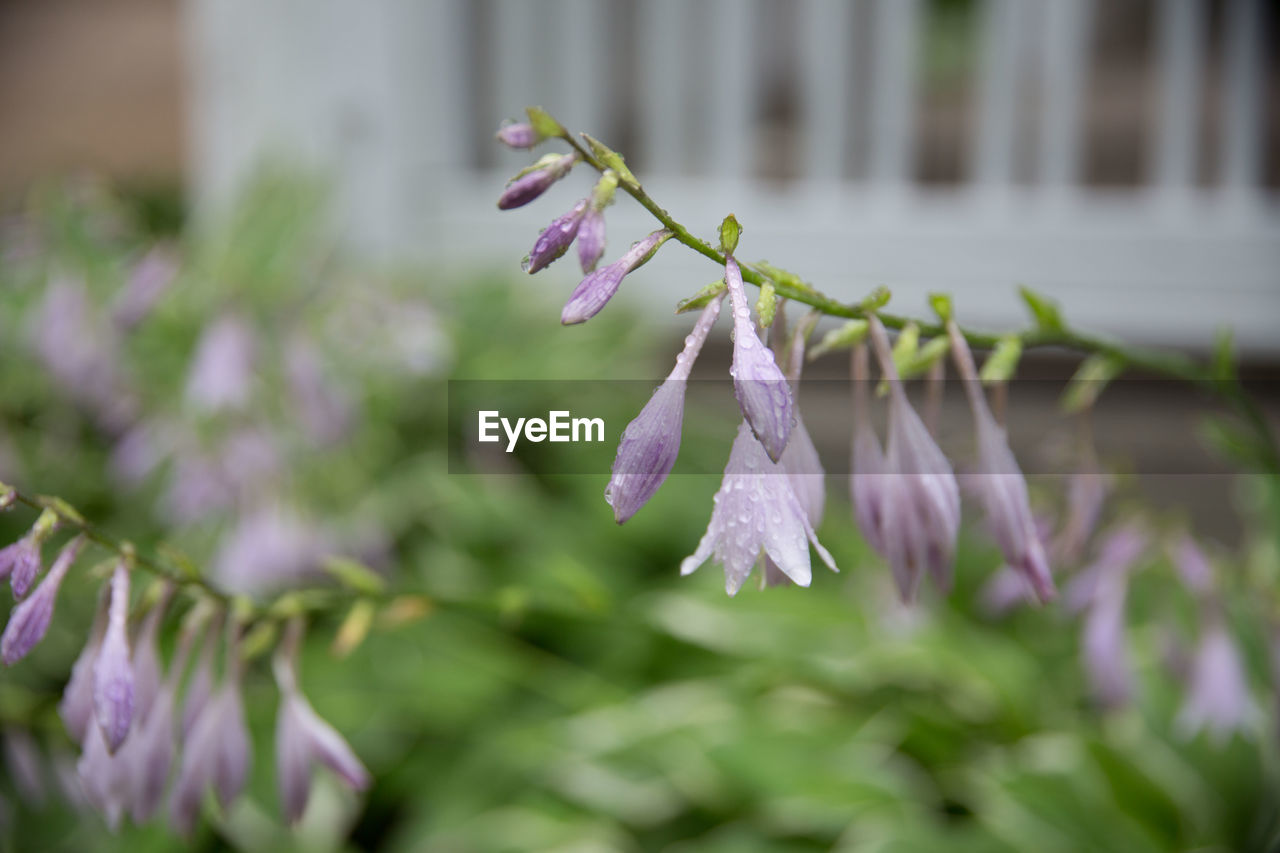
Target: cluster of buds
pixel 145 730
pixel 906 496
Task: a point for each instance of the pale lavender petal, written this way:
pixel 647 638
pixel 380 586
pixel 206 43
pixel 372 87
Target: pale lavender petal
pixel 530 185
pixel 591 239
pixel 867 486
pixel 1005 590
pixel 650 444
pixel 113 688
pixel 146 663
pixel 222 371
pixel 150 278
pixel 762 390
pixel 1086 495
pixel 30 619
pixel 199 756
pixel 200 687
pixel 234 756
pixel 1105 650
pixel 21 562
pixel 269 548
pixel 1218 696
pixel 150 752
pixel 25 766
pixel 76 706
pixel 104 778
pixel 803 468
pixel 302 738
pixel 1119 552
pixel 595 291
pixel 324 411
pixel 519 135
pixel 555 239
pixel 1193 566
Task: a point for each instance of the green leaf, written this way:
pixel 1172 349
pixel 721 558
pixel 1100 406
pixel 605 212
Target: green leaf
pixel 355 575
pixel 941 305
pixel 610 159
pixel 702 298
pixel 1002 364
pixel 730 231
pixel 60 508
pixel 767 304
pixel 1224 359
pixel 260 639
pixel 543 124
pixel 1045 311
pixel 876 300
pixel 354 629
pixel 1090 378
pixel 845 336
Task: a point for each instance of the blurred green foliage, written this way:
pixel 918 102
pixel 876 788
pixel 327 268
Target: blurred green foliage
pixel 566 690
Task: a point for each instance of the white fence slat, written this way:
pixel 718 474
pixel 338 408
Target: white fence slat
pixel 1242 106
pixel 1002 47
pixel 896 28
pixel 581 66
pixel 1066 26
pixel 826 53
pixel 664 66
pixel 1176 143
pixel 730 137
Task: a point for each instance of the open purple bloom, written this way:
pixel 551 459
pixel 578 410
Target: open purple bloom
pixel 519 135
pixel 591 238
pixel 76 706
pixel 999 483
pixel 30 619
pixel 651 442
pixel 759 384
pixel 866 480
pixel 555 239
pixel 215 754
pixel 222 369
pixel 1087 492
pixel 533 183
pixel 1105 650
pixel 113 688
pixel 1218 695
pixel 303 739
pixel 146 660
pixel 104 777
pixel 1118 553
pixel 756 510
pixel 200 688
pixel 20 562
pixel 920 501
pixel 595 291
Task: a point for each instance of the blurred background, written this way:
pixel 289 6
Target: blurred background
pixel 246 245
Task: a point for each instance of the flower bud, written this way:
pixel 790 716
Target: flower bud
pixel 595 291
pixel 650 443
pixel 30 619
pixel 591 239
pixel 758 382
pixel 519 135
pixel 1218 694
pixel 555 239
pixel 113 689
pixel 527 186
pixel 76 705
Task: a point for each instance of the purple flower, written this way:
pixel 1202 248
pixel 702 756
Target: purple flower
pixel 200 687
pixel 20 562
pixel 215 754
pixel 25 766
pixel 519 135
pixel 651 442
pixel 756 509
pixel 758 382
pixel 1119 551
pixel 527 186
pixel 104 777
pixel 591 238
pixel 555 239
pixel 222 370
pixel 148 281
pixel 1218 695
pixel 302 740
pixel 30 619
pixel 325 412
pixel 1193 566
pixel 146 659
pixel 594 291
pixel 1086 494
pixel 269 548
pixel 999 483
pixel 866 480
pixel 1105 651
pixel 76 706
pixel 920 507
pixel 113 688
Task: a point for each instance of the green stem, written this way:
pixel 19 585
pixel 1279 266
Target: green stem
pixel 1171 364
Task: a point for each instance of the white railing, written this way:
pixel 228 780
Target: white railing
pixel 401 97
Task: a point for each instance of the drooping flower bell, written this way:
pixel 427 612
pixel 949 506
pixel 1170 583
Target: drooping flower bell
pixel 221 373
pixel 758 382
pixel 76 705
pixel 866 480
pixel 30 619
pixel 591 233
pixel 595 291
pixel 113 687
pixel 650 444
pixel 920 507
pixel 999 483
pixel 304 739
pixel 1218 694
pixel 536 180
pixel 756 510
pixel 20 562
pixel 1103 643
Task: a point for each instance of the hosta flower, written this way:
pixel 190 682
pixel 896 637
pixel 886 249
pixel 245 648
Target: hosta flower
pixel 866 480
pixel 113 688
pixel 222 369
pixel 555 239
pixel 303 740
pixel 651 442
pixel 1193 566
pixel 1087 492
pixel 30 619
pixel 591 238
pixel 1118 553
pixel 323 409
pixel 269 548
pixel 920 504
pixel 148 281
pixel 25 766
pixel 519 135
pixel 104 777
pixel 999 483
pixel 594 291
pixel 76 705
pixel 20 563
pixel 216 754
pixel 756 510
pixel 1218 696
pixel 526 187
pixel 200 688
pixel 146 658
pixel 758 382
pixel 1105 649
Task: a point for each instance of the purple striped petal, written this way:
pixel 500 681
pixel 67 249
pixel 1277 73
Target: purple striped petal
pixel 113 689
